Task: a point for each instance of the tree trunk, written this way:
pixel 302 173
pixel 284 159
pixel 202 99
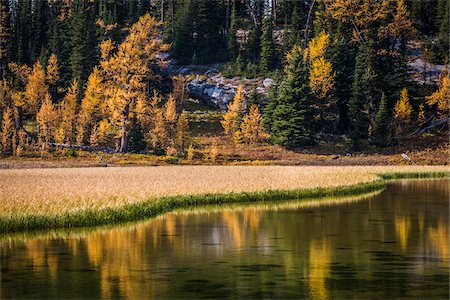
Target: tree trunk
pixel 305 42
pixel 124 137
pixel 19 120
pixel 227 20
pixel 274 11
pixel 162 11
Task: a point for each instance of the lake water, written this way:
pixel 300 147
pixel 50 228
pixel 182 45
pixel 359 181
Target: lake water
pixel 394 244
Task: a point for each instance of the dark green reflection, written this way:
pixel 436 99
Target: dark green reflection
pixel 391 245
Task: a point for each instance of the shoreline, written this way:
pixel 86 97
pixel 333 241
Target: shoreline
pixel 159 206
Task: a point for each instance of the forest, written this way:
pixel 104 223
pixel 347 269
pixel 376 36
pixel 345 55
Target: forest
pixel 82 75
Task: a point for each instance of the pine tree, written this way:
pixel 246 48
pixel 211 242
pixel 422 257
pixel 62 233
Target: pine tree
pixel 137 140
pixel 443 22
pixel 4 37
pixel 359 102
pixel 78 41
pixel 209 42
pixel 343 59
pixel 254 97
pixel 22 32
pixel 39 28
pixel 60 38
pixel 233 46
pixel 267 46
pixel 254 43
pixel 183 40
pixel 292 122
pixel 381 133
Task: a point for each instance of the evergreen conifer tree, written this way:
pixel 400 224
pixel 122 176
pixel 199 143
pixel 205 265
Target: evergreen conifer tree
pixel 292 121
pixel 182 45
pixel 136 143
pixel 233 46
pixel 267 46
pixel 4 37
pixel 358 104
pixel 381 133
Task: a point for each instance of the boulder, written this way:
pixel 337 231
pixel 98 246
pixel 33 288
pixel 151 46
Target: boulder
pixel 268 82
pixel 211 94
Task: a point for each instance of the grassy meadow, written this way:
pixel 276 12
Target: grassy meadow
pixel 74 197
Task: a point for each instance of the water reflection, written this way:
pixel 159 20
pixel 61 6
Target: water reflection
pixel 394 244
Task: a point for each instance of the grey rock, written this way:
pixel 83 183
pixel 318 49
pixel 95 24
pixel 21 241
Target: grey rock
pixel 213 95
pixel 268 82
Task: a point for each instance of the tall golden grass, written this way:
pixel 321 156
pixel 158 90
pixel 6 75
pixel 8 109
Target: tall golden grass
pixel 66 190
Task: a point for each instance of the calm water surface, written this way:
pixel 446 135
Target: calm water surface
pixel 391 245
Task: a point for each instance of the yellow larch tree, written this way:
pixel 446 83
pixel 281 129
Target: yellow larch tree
pixel 143 113
pixel 360 14
pixel 171 110
pixel 127 71
pixel 252 128
pixel 232 118
pixel 46 118
pixel 103 133
pixel 317 47
pixel 182 130
pixel 400 26
pixel 180 90
pixel 36 89
pixel 171 116
pixel 7 132
pixel 321 77
pixel 68 113
pixel 441 97
pixel 402 112
pixel 92 106
pixel 93 139
pixel 158 134
pixel 52 75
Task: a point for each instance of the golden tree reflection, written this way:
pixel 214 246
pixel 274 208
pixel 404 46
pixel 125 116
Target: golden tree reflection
pixel 319 268
pixel 402 227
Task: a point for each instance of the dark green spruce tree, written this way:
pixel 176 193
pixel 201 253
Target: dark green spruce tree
pixel 209 43
pixel 358 105
pixel 22 32
pixel 343 59
pixel 381 134
pixel 136 142
pixel 268 57
pixel 233 46
pixel 182 45
pixel 290 115
pixel 4 37
pixel 39 29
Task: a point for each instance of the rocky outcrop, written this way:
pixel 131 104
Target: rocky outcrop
pixel 212 88
pixel 211 94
